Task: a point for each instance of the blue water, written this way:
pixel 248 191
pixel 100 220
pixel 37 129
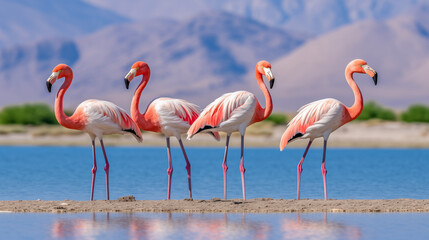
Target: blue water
pixel 58 173
pixel 215 226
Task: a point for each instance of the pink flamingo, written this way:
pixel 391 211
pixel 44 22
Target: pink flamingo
pixel 320 118
pixel 234 112
pixel 172 117
pixel 94 117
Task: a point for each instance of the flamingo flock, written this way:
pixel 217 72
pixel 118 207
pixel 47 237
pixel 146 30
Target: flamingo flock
pixel 231 112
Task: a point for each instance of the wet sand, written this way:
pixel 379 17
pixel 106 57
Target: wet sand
pixel 373 134
pixel 261 205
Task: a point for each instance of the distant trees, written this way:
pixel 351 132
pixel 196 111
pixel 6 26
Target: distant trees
pixel 373 110
pixel 277 118
pixel 416 113
pixel 40 113
pixel 28 114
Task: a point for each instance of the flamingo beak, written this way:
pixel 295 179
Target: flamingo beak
pixel 130 75
pixel 49 85
pixel 272 83
pixel 371 72
pixel 269 76
pixel 127 83
pixel 51 80
pixel 375 79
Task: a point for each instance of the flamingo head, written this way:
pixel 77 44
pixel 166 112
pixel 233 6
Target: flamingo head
pixel 60 71
pixel 264 68
pixel 360 66
pixel 138 68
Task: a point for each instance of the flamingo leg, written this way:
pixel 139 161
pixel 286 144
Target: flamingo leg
pixel 323 167
pixel 170 167
pixel 106 168
pixel 242 169
pixel 299 170
pixel 188 168
pixel 224 166
pixel 94 170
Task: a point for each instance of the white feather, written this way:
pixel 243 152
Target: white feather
pixel 172 114
pixel 238 109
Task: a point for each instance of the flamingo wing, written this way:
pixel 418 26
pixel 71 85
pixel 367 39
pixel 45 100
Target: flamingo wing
pixel 313 120
pixel 104 117
pixel 177 115
pixel 230 112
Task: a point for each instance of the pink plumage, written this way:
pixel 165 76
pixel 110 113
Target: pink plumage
pixel 234 112
pixel 95 117
pixel 321 118
pixel 169 116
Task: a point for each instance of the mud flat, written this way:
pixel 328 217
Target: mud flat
pixel 260 205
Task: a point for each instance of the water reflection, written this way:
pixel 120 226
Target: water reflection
pixel 317 229
pixel 200 226
pixel 82 228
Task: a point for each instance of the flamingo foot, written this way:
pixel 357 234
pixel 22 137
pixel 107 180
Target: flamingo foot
pixel 300 169
pixel 94 170
pixel 106 169
pixel 170 173
pixel 188 167
pixel 225 169
pixel 324 172
pixel 243 170
pixel 224 166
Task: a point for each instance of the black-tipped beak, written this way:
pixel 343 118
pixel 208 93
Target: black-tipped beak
pixel 49 86
pixel 127 83
pixel 272 83
pixel 375 78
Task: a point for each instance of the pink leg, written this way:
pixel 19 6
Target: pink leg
pixel 242 169
pixel 323 168
pixel 224 166
pixel 188 168
pixel 94 170
pixel 170 168
pixel 106 168
pixel 299 170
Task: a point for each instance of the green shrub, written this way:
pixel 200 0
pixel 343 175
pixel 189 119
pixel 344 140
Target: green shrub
pixel 28 114
pixel 373 110
pixel 416 113
pixel 277 118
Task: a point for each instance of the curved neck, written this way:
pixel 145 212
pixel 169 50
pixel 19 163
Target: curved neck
pixel 143 121
pixel 61 117
pixel 356 108
pixel 262 113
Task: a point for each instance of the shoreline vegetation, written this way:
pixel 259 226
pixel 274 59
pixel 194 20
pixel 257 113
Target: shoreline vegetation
pixel 128 204
pixel 376 127
pixel 365 134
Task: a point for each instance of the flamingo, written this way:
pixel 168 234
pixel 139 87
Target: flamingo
pixel 169 116
pixel 321 118
pixel 235 111
pixel 94 117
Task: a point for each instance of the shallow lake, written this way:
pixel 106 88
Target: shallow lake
pixel 58 173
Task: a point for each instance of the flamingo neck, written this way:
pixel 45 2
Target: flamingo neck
pixel 145 121
pixel 262 113
pixel 69 122
pixel 356 109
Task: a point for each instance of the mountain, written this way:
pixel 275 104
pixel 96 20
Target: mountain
pixel 27 21
pixel 196 59
pixel 310 16
pixel 398 49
